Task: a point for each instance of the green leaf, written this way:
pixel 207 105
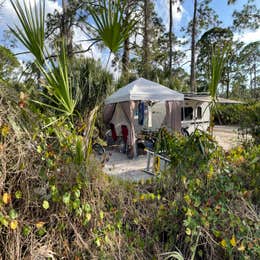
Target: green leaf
pixel 45 204
pixel 13 214
pixel 109 24
pixel 66 198
pixel 18 194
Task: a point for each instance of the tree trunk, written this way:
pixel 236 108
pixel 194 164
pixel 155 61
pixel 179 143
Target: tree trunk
pixel 170 40
pixel 251 82
pixel 227 94
pixel 193 87
pixel 65 31
pixel 255 80
pixel 228 81
pixel 125 58
pixel 146 39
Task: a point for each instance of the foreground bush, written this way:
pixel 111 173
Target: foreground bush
pixel 214 205
pixel 56 205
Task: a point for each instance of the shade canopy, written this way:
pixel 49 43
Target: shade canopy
pixel 145 90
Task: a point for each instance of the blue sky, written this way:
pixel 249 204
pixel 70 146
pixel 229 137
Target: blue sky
pixel 220 6
pixel 7 17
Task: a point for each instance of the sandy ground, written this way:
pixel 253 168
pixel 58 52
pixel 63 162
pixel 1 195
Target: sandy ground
pixel 226 136
pixel 130 169
pixel 120 166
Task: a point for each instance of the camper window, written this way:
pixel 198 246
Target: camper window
pixel 199 113
pixel 187 113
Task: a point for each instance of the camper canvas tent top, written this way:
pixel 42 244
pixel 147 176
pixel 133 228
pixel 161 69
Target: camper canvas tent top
pixel 127 98
pixel 146 90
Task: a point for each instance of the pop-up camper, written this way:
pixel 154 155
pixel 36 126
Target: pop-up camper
pixel 146 106
pixel 143 105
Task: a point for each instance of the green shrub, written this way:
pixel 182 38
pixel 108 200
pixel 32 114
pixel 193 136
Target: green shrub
pixel 211 199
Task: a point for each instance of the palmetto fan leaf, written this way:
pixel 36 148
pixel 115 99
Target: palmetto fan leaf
pixel 31 33
pixel 58 84
pixel 109 24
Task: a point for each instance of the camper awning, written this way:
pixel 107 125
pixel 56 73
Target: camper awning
pixel 146 90
pixel 208 99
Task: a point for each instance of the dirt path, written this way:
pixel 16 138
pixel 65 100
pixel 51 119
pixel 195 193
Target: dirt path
pixel 227 136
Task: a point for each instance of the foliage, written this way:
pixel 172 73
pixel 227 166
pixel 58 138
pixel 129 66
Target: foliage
pixel 215 199
pixel 32 36
pixel 218 60
pixel 32 33
pixel 212 40
pixel 94 83
pixel 59 85
pixel 53 204
pixel 110 26
pixel 247 18
pixel 8 62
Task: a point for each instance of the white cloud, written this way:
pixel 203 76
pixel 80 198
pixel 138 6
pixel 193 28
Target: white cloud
pixel 9 17
pixel 249 36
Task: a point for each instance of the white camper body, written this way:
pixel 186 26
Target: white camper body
pixel 195 115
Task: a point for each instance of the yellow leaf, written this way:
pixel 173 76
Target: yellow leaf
pixel 187 198
pixel 209 175
pixel 4 222
pixel 189 213
pixel 5 130
pixel 88 216
pixel 39 224
pixel 198 181
pixel 233 241
pixel 188 231
pixel 223 243
pixel 142 197
pixel 6 198
pixel 241 247
pixel 13 224
pixel 45 204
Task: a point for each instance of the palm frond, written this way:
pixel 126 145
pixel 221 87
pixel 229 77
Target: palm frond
pixel 218 60
pixel 31 33
pixel 59 85
pixel 109 24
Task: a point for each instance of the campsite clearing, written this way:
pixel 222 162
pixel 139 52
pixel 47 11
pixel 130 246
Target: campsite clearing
pixel 120 166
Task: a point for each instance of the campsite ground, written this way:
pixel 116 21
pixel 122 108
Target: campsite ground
pixel 119 165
